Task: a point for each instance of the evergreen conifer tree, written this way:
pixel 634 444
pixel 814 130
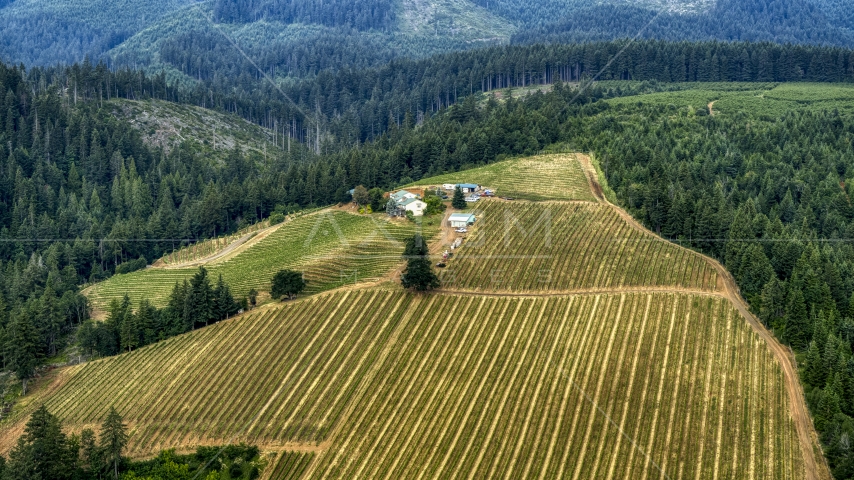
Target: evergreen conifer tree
pixel 814 368
pixel 90 454
pixel 129 332
pixel 22 342
pixel 797 321
pixel 224 304
pixel 459 200
pixel 41 452
pixel 114 439
pixel 773 301
pixel 828 407
pixel 198 303
pixel 146 322
pixel 419 274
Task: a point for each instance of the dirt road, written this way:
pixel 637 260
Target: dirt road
pixel 229 249
pixel 816 468
pixel 446 236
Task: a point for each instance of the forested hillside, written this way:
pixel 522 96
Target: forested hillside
pixel 348 107
pixel 787 21
pixel 45 32
pixel 373 15
pixel 294 38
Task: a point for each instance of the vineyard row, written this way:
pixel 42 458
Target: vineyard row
pixel 553 246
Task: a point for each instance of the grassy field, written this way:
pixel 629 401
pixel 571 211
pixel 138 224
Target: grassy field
pixel 332 248
pixel 390 385
pixel 546 177
pixel 768 99
pixel 560 246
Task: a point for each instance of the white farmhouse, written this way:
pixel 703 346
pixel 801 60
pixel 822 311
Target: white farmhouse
pixel 413 205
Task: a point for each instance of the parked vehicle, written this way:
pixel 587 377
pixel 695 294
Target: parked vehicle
pixel 461 230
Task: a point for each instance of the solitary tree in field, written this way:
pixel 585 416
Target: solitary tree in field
pixel 114 439
pixel 459 200
pixel 419 274
pixel 253 297
pixel 287 282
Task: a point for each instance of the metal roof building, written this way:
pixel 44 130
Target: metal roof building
pixel 468 187
pixel 401 195
pixel 458 220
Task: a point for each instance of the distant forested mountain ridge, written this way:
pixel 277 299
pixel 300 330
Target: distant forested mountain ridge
pixel 60 31
pixel 45 32
pixel 782 21
pixel 193 40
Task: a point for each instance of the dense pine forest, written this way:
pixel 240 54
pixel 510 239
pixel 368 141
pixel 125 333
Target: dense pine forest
pixel 750 20
pixel 344 108
pixel 373 15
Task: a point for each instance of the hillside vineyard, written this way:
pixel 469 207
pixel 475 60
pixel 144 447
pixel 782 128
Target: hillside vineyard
pixel 331 248
pixel 554 246
pixel 437 385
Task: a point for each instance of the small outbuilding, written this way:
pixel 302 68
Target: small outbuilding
pixel 461 220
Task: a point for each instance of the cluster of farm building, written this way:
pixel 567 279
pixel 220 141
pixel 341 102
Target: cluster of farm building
pixel 404 201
